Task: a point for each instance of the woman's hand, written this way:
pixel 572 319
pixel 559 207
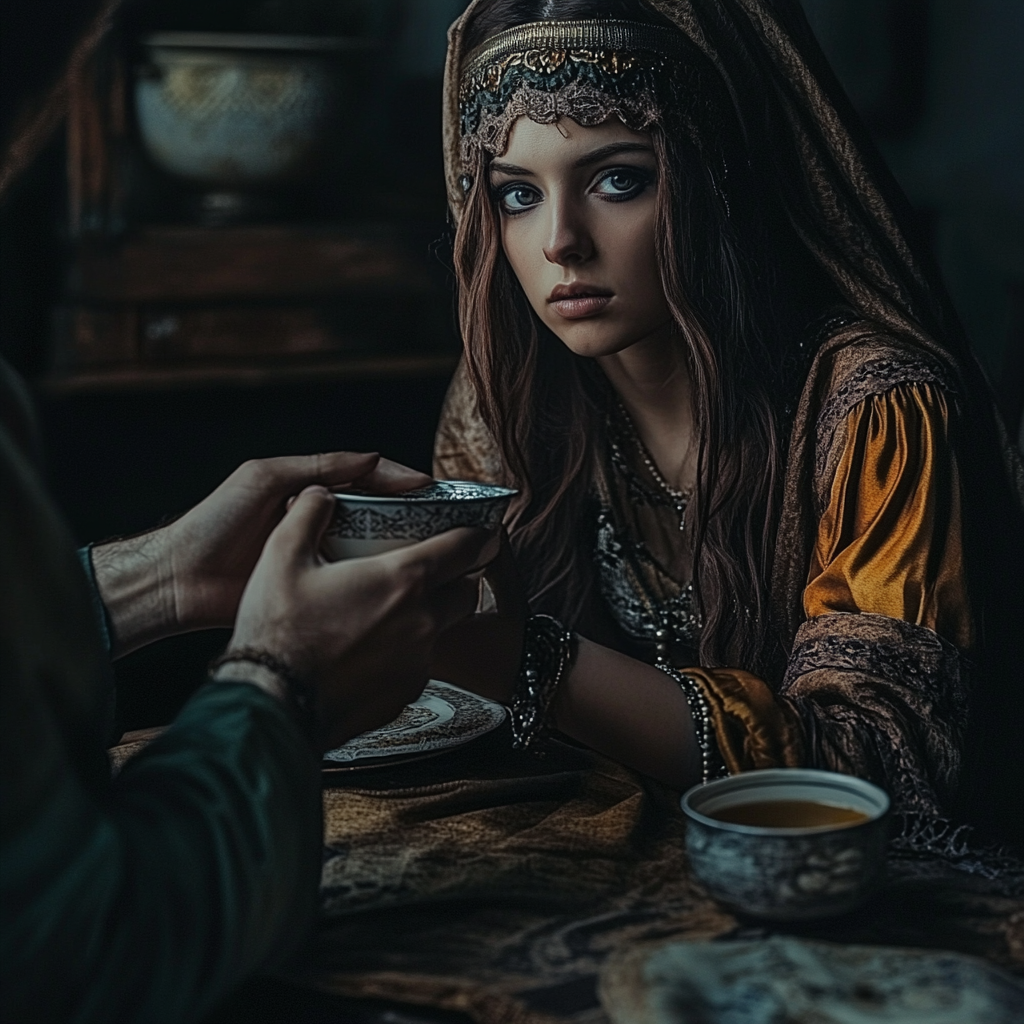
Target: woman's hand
pixel 190 574
pixel 482 653
pixel 361 632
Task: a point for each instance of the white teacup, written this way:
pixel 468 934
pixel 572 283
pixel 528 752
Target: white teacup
pixel 370 524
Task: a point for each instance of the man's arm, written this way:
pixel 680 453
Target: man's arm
pixel 146 898
pixel 197 867
pixel 190 574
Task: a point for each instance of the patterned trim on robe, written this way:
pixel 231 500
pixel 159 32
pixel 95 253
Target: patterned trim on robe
pixel 882 698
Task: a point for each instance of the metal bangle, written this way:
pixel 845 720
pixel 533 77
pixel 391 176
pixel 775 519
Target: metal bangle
pixel 549 650
pixel 703 723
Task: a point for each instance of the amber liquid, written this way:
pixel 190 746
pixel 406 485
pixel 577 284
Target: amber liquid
pixel 789 814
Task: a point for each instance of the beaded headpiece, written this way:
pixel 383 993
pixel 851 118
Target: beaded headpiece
pixel 584 70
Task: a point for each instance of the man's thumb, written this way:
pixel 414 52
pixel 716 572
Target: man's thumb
pixel 299 533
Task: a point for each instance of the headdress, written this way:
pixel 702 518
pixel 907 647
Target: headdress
pixel 587 70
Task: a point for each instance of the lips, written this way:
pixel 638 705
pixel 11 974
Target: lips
pixel 576 301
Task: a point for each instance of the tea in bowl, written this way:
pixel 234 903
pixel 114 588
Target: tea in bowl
pixel 788 844
pixel 370 524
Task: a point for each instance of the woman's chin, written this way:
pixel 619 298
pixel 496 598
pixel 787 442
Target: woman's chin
pixel 591 339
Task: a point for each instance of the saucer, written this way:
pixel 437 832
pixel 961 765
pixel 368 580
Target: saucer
pixel 445 716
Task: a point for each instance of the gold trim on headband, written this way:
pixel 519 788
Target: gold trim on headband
pixel 557 37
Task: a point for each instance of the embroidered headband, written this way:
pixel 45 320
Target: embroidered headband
pixel 584 70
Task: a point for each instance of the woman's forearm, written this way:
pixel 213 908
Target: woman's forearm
pixel 631 712
pixel 613 704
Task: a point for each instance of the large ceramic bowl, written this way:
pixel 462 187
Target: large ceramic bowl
pixel 787 874
pixel 367 524
pixel 237 110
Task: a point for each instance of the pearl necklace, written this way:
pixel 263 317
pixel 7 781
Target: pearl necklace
pixel 679 499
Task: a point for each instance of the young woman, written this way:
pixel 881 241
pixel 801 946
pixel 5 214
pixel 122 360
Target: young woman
pixel 767 513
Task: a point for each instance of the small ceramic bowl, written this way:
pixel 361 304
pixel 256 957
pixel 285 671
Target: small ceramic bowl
pixel 369 524
pixel 227 109
pixel 787 874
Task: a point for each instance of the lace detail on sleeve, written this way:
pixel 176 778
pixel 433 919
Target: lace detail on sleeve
pixel 884 700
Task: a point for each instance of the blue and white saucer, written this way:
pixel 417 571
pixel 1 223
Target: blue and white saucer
pixel 444 717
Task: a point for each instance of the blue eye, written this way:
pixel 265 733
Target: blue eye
pixel 517 197
pixel 622 183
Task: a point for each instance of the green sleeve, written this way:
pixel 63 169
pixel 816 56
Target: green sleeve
pixel 149 901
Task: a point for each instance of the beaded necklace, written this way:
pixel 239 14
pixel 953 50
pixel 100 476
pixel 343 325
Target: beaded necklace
pixel 679 499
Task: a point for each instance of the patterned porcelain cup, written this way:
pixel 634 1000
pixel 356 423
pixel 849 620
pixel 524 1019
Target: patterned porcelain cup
pixel 787 873
pixel 367 524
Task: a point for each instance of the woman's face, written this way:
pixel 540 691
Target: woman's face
pixel 577 208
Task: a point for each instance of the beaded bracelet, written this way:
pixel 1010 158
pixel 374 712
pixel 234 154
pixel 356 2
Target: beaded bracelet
pixel 703 725
pixel 549 649
pixel 300 696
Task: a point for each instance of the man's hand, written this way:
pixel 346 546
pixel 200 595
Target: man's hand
pixel 191 573
pixel 360 632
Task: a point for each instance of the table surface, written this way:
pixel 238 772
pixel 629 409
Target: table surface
pixel 925 903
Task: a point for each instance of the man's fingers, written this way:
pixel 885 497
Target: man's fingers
pixel 298 535
pixel 336 468
pixel 287 475
pixel 389 477
pixel 450 555
pixel 290 473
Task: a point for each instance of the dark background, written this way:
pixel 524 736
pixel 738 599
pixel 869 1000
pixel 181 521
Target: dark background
pixel 937 81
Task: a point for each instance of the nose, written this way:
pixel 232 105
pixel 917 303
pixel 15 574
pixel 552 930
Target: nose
pixel 569 241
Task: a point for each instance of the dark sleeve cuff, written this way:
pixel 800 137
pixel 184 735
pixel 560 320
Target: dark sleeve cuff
pixel 98 607
pixel 113 728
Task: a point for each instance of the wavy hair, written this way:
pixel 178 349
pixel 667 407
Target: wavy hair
pixel 741 290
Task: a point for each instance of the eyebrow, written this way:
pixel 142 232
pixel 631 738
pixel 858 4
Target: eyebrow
pixel 612 149
pixel 593 157
pixel 503 168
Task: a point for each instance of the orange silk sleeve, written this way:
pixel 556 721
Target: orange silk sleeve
pixel 753 728
pixel 889 541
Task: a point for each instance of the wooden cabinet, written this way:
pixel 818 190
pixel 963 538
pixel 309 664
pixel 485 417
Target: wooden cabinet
pixel 187 304
pixel 155 300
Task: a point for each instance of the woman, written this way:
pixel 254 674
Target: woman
pixel 764 495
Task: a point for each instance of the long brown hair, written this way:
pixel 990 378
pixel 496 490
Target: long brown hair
pixel 741 291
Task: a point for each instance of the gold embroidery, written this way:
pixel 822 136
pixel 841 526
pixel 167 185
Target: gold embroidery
pixel 546 62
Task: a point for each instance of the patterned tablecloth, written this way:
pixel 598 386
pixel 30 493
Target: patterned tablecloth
pixel 500 884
